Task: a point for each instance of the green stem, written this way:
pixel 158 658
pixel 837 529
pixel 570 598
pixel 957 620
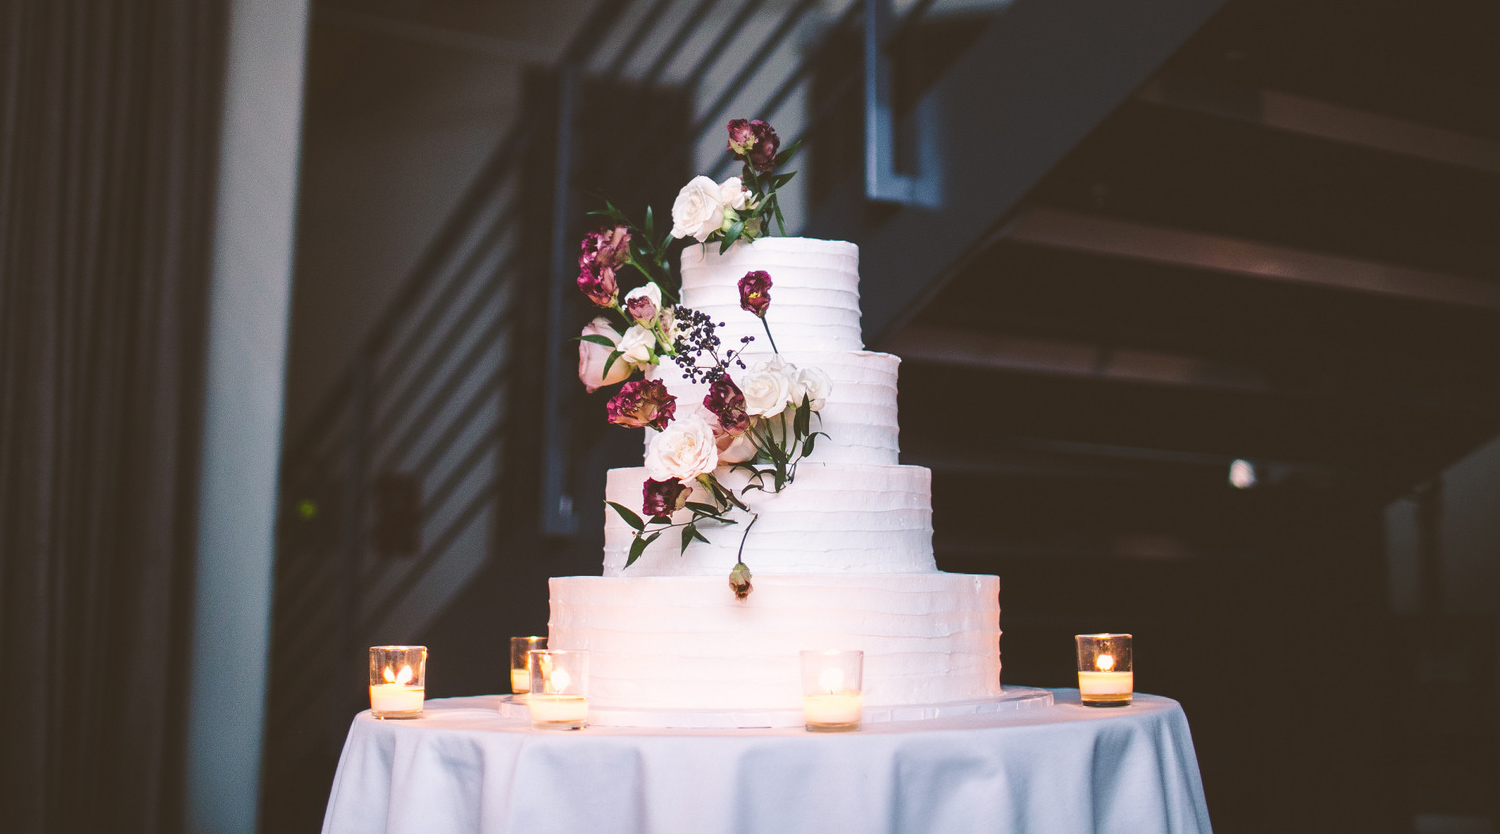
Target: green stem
pixel 767 326
pixel 740 557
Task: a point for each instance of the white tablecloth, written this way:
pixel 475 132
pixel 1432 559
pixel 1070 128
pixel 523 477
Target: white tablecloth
pixel 1066 768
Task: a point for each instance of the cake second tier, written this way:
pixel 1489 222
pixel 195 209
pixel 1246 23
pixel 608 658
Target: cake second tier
pixel 858 420
pixel 834 518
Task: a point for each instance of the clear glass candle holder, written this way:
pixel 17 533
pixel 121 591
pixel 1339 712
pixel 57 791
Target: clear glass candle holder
pixel 398 681
pixel 1106 672
pixel 520 672
pixel 559 698
pixel 832 690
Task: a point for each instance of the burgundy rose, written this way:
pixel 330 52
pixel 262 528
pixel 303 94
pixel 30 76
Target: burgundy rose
pixel 755 142
pixel 644 402
pixel 662 498
pixel 726 401
pixel 598 283
pixel 605 248
pixel 755 292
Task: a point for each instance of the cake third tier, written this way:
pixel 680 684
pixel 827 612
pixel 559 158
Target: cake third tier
pixel 835 518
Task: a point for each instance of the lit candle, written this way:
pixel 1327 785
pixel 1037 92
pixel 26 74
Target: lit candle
pixel 560 699
pixel 397 697
pixel 520 675
pixel 832 705
pixel 1105 673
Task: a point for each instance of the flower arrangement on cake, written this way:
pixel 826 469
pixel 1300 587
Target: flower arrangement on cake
pixel 757 418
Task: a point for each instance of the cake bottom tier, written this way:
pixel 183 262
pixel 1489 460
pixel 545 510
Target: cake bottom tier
pixel 685 642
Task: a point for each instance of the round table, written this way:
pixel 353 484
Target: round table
pixel 463 767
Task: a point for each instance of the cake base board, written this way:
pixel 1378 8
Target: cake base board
pixel 1011 698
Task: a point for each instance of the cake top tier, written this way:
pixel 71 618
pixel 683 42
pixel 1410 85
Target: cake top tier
pixel 814 291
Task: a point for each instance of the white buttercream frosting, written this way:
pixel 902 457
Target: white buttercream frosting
pixel 814 291
pixel 834 518
pixel 686 643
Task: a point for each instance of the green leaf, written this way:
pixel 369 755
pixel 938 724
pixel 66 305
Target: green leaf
pixel 639 546
pixel 703 509
pixel 699 536
pixel 650 227
pixel 630 518
pixel 800 421
pixel 807 447
pixel 597 340
pixel 688 533
pixel 609 362
pixel 781 179
pixel 735 230
pixel 788 152
pixel 780 222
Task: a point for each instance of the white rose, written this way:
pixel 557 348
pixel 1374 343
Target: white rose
pixel 684 449
pixel 592 357
pixel 697 212
pixel 666 326
pixel 732 194
pixel 767 388
pixel 813 385
pixel 735 448
pixel 635 346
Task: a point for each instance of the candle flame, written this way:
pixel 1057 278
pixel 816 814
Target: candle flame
pixel 558 681
pixel 390 677
pixel 832 679
pixel 405 675
pixel 1104 662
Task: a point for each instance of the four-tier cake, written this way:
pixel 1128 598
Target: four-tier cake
pixel 842 556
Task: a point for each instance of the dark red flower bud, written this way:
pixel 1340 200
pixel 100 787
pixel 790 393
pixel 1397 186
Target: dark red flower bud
pixel 644 402
pixel 739 581
pixel 605 247
pixel 726 401
pixel 741 138
pixel 662 498
pixel 755 292
pixel 767 143
pixel 755 142
pixel 598 283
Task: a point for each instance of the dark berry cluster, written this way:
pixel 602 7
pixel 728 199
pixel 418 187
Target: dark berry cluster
pixel 698 335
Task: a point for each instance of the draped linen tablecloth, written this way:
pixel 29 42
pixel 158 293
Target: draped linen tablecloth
pixel 1065 768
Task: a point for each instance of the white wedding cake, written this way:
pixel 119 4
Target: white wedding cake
pixel 842 556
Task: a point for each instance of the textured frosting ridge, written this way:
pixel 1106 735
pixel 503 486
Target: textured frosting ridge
pixel 835 518
pixel 683 643
pixel 814 291
pixel 859 416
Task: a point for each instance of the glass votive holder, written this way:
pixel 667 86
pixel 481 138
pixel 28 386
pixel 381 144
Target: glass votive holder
pixel 832 690
pixel 520 672
pixel 1106 674
pixel 559 698
pixel 398 681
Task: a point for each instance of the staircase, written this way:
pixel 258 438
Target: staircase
pixel 1120 246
